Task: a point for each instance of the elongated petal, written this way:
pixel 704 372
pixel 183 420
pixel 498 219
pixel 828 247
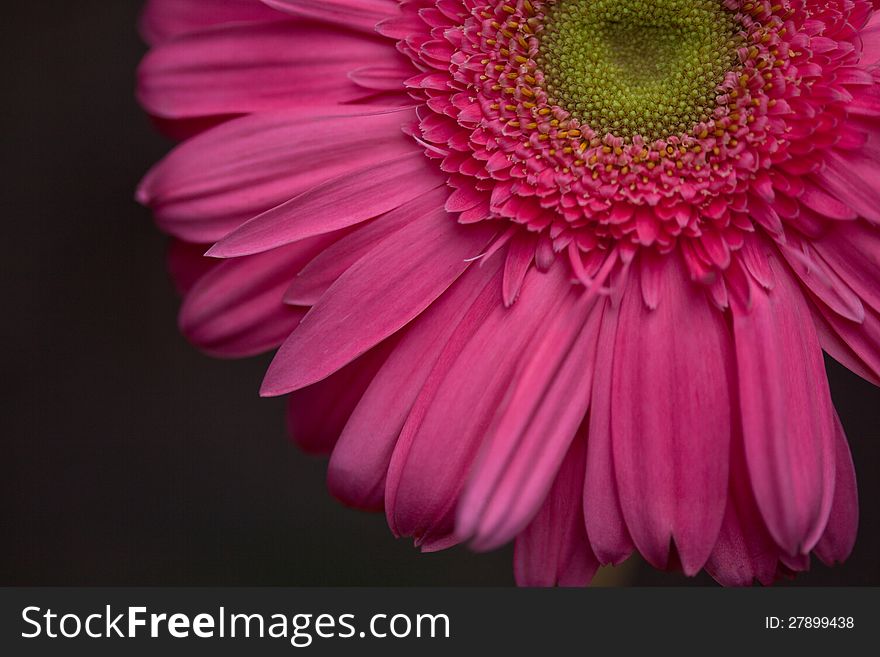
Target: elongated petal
pixel 870 37
pixel 349 199
pixel 237 309
pixel 388 77
pixel 214 183
pixel 745 551
pixel 839 537
pixel 360 461
pixel 823 281
pixel 534 426
pixel 428 471
pixel 520 256
pixel 375 298
pixel 856 346
pixel 606 529
pixel 317 414
pixel 322 272
pixel 240 69
pixel 670 417
pixel 787 416
pixel 358 14
pixel 165 19
pixel 854 178
pixel 852 250
pixel 553 549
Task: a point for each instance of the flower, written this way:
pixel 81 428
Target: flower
pixel 552 271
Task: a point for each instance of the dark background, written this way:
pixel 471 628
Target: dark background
pixel 128 457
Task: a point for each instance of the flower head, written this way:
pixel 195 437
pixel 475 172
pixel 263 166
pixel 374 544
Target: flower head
pixel 558 271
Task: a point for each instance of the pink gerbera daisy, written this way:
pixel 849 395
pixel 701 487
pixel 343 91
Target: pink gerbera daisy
pixel 552 271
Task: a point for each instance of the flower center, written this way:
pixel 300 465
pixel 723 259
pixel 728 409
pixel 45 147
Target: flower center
pixel 637 67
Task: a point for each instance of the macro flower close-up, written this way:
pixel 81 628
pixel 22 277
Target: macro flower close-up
pixel 552 272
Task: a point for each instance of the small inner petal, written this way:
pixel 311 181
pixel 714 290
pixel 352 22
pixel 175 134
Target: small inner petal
pixel 637 67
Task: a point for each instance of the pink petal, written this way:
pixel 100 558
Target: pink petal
pixel 322 272
pixel 214 183
pixel 852 250
pixel 257 67
pixel 237 309
pixel 534 426
pixel 553 550
pixel 856 346
pixel 839 538
pixel 357 14
pixel 317 414
pixel 606 529
pixel 870 36
pixel 357 470
pixel 670 418
pixel 382 78
pixel 816 198
pixel 349 199
pixel 165 19
pixel 822 280
pixel 402 26
pixel 744 552
pixel 788 419
pixel 375 298
pixel 520 256
pixel 854 178
pixel 428 470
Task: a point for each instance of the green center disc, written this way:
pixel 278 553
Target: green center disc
pixel 637 67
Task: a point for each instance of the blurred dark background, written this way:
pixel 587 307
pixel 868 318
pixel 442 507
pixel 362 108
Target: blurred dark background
pixel 129 458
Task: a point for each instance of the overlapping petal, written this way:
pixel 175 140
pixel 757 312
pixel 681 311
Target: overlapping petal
pixel 359 14
pixel 241 69
pixel 212 184
pixel 162 20
pixel 507 326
